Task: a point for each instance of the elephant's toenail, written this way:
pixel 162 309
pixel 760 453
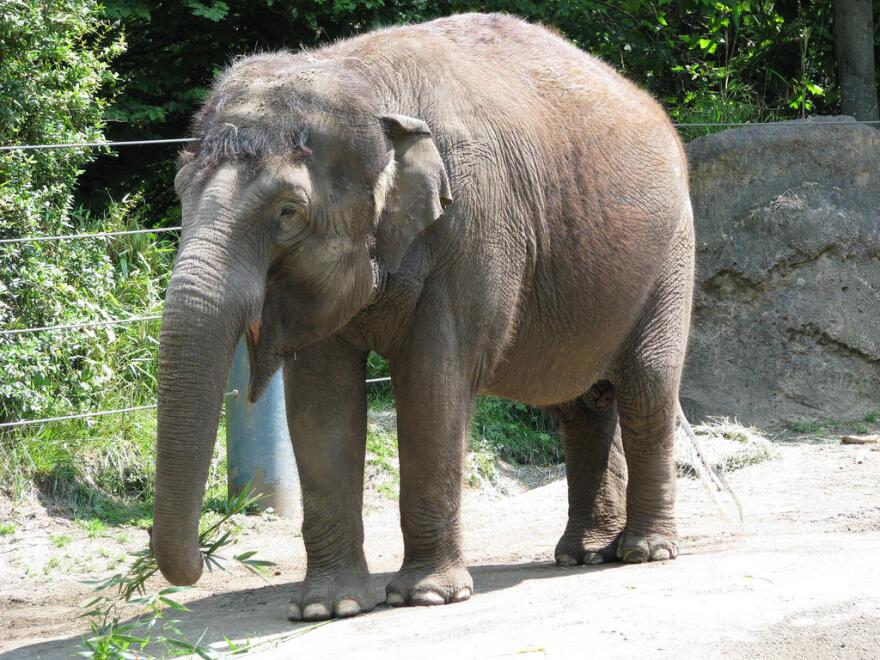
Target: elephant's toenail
pixel 428 598
pixel 347 607
pixel 462 594
pixel 662 554
pixel 394 598
pixel 565 561
pixel 593 558
pixel 293 612
pixel 316 611
pixel 634 556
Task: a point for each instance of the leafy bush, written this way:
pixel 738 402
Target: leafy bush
pixel 55 85
pixel 53 79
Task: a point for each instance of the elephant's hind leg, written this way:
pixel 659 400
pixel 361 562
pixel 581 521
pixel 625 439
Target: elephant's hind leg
pixel 596 474
pixel 648 381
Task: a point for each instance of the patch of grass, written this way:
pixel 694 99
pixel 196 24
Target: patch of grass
pixel 50 566
pixel 804 427
pixel 383 466
pixel 94 527
pixel 60 540
pixel 515 432
pixel 381 395
pixel 7 529
pixel 83 463
pixel 101 471
pixel 113 512
pixel 814 427
pixel 481 465
pixel 830 426
pixel 382 463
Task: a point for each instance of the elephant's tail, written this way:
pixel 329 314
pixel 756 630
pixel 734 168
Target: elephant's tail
pixel 714 480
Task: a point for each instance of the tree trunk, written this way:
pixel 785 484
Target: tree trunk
pixel 854 46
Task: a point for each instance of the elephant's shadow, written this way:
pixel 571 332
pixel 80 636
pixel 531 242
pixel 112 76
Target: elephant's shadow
pixel 259 614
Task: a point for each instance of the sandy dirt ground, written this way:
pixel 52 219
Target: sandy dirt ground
pixel 799 579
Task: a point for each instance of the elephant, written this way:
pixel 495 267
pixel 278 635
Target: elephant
pixel 485 205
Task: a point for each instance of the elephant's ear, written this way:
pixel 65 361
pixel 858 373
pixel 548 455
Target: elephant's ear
pixel 418 194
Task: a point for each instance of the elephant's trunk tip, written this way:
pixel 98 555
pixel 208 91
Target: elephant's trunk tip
pixel 180 575
pixel 180 567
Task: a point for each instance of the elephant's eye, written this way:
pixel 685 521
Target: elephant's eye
pixel 290 215
pixel 289 222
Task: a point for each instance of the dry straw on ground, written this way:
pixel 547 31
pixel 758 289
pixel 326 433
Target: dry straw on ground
pixel 728 445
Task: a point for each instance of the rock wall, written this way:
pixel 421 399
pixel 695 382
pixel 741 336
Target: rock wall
pixel 786 321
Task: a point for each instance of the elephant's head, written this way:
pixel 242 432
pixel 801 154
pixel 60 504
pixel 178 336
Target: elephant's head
pixel 298 193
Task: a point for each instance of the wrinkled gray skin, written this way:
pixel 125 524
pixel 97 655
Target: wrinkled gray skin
pixel 486 206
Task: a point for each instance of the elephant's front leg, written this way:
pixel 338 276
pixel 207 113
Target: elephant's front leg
pixel 327 416
pixel 434 402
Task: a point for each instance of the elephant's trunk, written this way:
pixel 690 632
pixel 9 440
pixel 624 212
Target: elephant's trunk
pixel 213 293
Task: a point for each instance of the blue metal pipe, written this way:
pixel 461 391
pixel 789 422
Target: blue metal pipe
pixel 258 443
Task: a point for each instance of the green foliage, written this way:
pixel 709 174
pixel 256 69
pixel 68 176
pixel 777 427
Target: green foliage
pixel 55 82
pixel 824 427
pixel 102 470
pixel 806 427
pixel 94 527
pixel 60 540
pixel 516 432
pixel 52 283
pixel 381 394
pixel 482 458
pixel 109 638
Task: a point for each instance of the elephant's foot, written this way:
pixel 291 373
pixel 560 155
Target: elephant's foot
pixel 575 553
pixel 332 593
pixel 587 546
pixel 426 585
pixel 654 543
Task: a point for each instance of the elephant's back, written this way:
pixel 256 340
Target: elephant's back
pixel 498 57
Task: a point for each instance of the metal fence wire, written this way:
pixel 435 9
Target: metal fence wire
pixel 97 235
pixel 158 230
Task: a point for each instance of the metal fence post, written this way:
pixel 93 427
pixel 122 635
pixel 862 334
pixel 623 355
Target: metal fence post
pixel 257 441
